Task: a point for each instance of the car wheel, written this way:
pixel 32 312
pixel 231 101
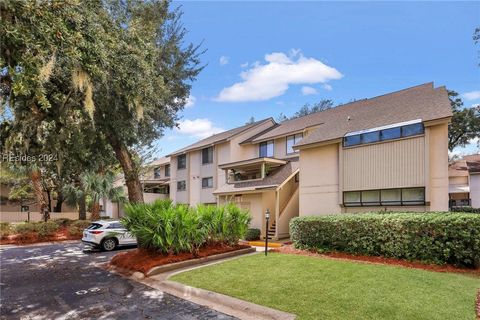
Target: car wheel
pixel 109 244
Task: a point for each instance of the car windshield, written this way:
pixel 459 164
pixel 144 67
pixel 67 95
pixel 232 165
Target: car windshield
pixel 94 226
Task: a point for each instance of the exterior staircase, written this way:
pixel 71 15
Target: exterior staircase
pixel 271 231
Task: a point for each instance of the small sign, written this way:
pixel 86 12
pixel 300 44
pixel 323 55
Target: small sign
pixel 25 208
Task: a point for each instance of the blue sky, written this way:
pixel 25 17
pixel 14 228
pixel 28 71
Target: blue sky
pixel 267 58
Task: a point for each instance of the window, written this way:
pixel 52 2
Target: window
pixel 207 155
pixel 181 185
pixel 266 149
pixel 116 225
pixel 182 161
pixel 352 198
pixel 413 196
pixel 412 129
pixel 371 137
pixel 207 182
pixel 156 173
pixel 385 134
pixel 371 198
pixel 351 140
pixel 167 170
pixel 391 197
pixel 393 133
pixel 385 197
pixel 292 140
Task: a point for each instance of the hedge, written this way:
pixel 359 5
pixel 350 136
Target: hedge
pixel 466 209
pixel 440 238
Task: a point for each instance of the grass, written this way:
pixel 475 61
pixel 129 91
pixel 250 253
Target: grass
pixel 318 288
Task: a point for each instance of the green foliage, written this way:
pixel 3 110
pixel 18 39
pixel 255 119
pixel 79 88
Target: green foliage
pixel 465 124
pixel 432 237
pixel 5 229
pixel 25 227
pixel 63 222
pixel 81 224
pixel 252 234
pixel 45 229
pixel 466 209
pixel 74 231
pixel 169 228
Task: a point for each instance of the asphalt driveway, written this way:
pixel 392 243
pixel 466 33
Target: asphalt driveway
pixel 60 281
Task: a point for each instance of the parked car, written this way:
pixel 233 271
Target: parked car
pixel 107 235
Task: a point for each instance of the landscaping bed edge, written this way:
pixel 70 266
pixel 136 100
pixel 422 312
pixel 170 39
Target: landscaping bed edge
pixel 192 262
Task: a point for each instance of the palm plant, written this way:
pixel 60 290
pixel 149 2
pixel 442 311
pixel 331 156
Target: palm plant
pixel 95 187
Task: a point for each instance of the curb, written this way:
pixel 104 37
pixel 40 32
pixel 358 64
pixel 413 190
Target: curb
pixel 238 308
pixel 190 263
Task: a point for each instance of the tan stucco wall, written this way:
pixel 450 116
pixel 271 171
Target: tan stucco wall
pixel 319 181
pixel 395 164
pixel 458 180
pixel 178 175
pixel 437 167
pixel 475 190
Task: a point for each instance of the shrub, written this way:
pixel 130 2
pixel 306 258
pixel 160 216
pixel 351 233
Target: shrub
pixel 81 224
pixel 75 231
pixel 466 209
pixel 252 234
pixel 25 227
pixel 45 229
pixel 432 237
pixel 63 222
pixel 5 229
pixel 169 228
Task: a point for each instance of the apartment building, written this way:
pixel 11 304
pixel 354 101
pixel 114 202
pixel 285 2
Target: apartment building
pixel 195 171
pixel 464 182
pixel 384 153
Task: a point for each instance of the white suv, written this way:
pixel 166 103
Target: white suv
pixel 107 235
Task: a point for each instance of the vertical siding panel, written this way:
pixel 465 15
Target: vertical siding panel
pixel 393 164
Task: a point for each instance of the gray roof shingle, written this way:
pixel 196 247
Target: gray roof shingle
pixel 420 102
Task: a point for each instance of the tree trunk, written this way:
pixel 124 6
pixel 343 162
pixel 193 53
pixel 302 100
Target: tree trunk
pixel 49 198
pixel 95 214
pixel 36 177
pixel 58 205
pixel 135 190
pixel 82 208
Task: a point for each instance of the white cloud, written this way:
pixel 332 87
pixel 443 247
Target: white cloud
pixel 223 60
pixel 198 128
pixel 308 90
pixel 472 95
pixel 327 87
pixel 273 78
pixel 190 101
pixel 244 65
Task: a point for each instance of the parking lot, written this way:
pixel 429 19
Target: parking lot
pixel 61 281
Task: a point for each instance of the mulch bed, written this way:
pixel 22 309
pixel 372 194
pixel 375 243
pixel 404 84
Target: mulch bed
pixel 377 260
pixel 143 260
pixel 33 237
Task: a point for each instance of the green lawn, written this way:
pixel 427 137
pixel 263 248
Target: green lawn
pixel 318 288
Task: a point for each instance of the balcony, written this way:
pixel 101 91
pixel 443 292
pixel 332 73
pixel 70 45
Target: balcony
pixel 251 170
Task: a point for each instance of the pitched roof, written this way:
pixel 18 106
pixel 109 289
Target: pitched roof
pixel 269 182
pixel 458 169
pixel 473 163
pixel 220 137
pixel 420 102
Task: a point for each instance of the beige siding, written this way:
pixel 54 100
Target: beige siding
pixel 475 190
pixel 393 164
pixel 319 181
pixel 437 190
